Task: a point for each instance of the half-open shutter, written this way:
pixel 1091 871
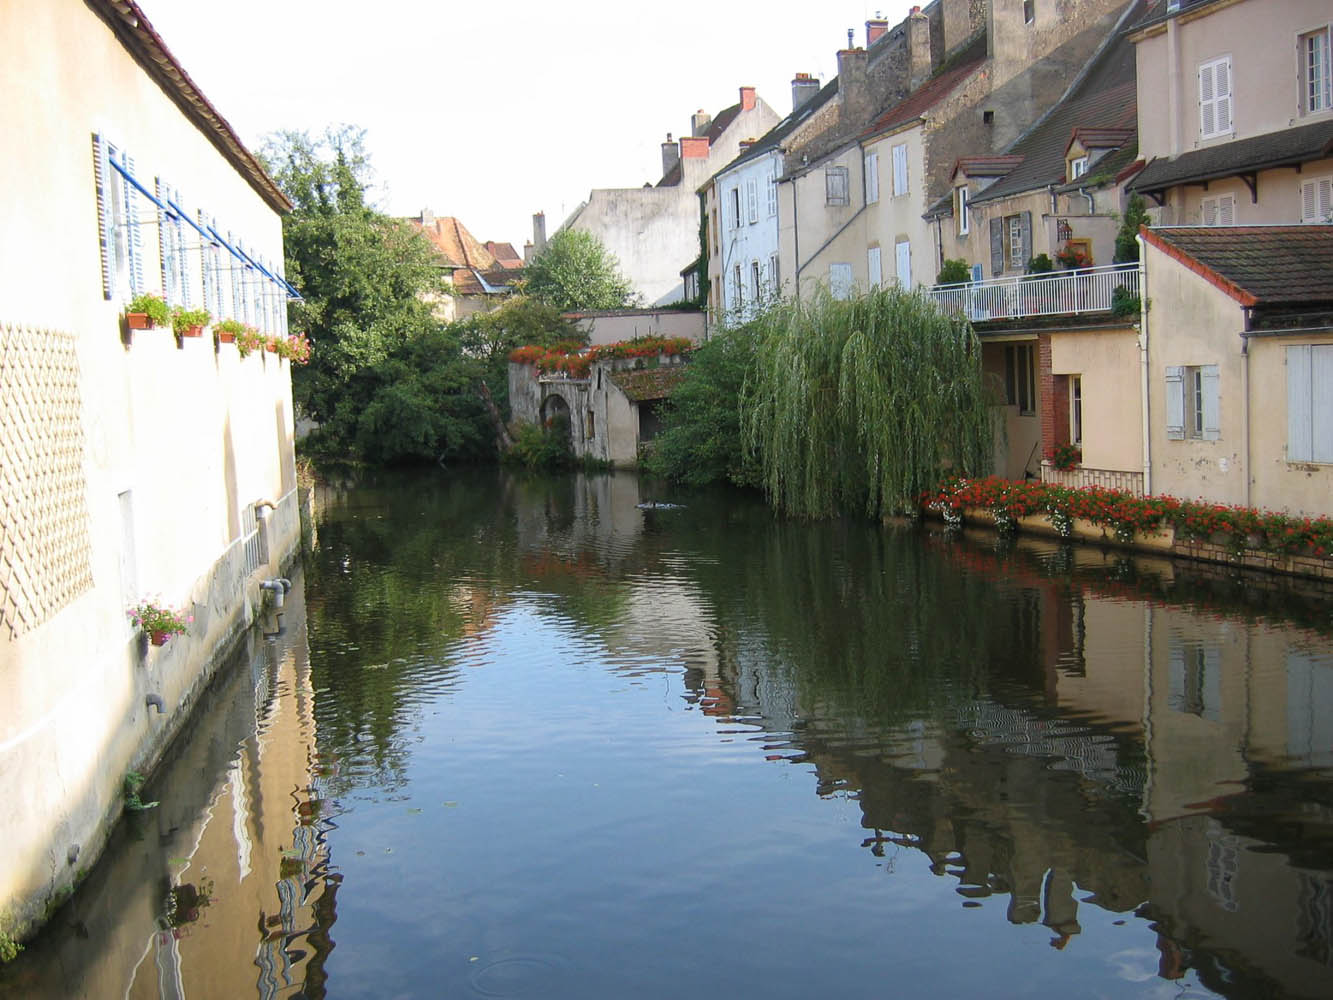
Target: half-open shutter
pixel 134 240
pixel 1222 81
pixel 1321 403
pixel 1207 102
pixel 996 247
pixel 1212 420
pixel 100 169
pixel 1026 223
pixel 1175 403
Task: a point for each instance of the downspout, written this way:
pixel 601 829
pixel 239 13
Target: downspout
pixel 796 239
pixel 1143 365
pixel 1092 205
pixel 1245 402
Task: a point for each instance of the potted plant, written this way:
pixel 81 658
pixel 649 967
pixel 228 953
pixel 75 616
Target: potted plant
pixel 271 344
pixel 159 621
pixel 189 322
pixel 228 330
pixel 249 339
pixel 1072 257
pixel 1066 457
pixel 146 311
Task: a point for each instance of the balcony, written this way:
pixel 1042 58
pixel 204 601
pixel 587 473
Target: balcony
pixel 1064 293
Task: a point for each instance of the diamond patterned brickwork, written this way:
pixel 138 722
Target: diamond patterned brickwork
pixel 44 542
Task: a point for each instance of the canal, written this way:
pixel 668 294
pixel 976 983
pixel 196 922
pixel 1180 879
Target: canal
pixel 526 737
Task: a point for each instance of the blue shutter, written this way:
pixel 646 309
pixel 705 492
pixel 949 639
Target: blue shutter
pixel 133 239
pixel 1212 419
pixel 100 172
pixel 1300 441
pixel 164 237
pixel 182 260
pixel 1175 403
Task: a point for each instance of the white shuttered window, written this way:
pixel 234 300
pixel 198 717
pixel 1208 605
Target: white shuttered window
pixel 874 267
pixel 872 178
pixel 1317 200
pixel 1310 403
pixel 900 170
pixel 1215 109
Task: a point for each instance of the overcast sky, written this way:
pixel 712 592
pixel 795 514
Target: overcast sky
pixel 492 111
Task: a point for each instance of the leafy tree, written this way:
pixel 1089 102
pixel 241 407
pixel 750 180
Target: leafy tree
pixel 701 440
pixel 1126 246
pixel 576 272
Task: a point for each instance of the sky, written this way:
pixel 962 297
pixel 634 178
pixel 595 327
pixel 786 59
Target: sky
pixel 491 111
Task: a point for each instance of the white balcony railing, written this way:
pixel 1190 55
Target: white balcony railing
pixel 1062 293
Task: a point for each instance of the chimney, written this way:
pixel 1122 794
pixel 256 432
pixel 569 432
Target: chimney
pixel 699 122
pixel 747 98
pixel 538 232
pixel 875 29
pixel 745 144
pixel 694 147
pixel 427 217
pixel 853 90
pixel 803 87
pixel 957 23
pixel 670 154
pixel 527 252
pixel 918 47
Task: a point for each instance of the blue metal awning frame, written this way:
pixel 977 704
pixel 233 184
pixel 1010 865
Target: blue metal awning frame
pixel 134 182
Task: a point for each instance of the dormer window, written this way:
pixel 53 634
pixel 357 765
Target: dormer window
pixel 1078 167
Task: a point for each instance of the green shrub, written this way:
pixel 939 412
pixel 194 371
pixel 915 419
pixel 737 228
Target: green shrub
pixel 954 272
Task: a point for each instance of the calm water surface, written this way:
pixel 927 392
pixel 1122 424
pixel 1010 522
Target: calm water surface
pixel 524 738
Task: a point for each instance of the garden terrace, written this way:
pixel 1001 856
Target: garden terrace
pixel 1063 293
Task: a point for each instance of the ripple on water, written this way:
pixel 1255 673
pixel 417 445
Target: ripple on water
pixel 518 975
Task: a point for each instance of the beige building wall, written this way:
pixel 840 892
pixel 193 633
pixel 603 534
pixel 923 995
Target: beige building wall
pixel 1111 377
pixel 167 446
pixel 897 218
pixel 821 235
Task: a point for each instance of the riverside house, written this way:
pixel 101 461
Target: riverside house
pixel 138 464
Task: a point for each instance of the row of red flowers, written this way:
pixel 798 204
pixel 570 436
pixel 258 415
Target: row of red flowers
pixel 575 359
pixel 1127 514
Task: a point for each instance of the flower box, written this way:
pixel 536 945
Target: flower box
pixel 192 331
pixel 139 321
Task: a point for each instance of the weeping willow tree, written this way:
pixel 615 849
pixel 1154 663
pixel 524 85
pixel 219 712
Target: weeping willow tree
pixel 862 403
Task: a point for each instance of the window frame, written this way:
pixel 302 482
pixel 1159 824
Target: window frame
pixel 736 207
pixel 1015 253
pixel 1193 403
pixel 962 210
pixel 1078 166
pixel 1219 99
pixel 1316 94
pixel 1218 206
pixel 1020 377
pixel 901 180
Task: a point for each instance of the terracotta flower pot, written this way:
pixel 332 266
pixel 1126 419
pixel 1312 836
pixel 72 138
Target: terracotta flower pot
pixel 159 638
pixel 193 331
pixel 139 321
pixel 226 338
pixel 271 348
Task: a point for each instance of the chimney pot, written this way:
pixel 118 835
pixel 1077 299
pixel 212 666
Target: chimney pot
pixel 747 98
pixel 803 87
pixel 876 28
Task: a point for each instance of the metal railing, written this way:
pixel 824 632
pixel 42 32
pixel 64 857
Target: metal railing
pixel 1063 293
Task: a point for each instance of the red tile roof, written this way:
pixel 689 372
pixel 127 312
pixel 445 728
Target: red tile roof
pixel 458 246
pixel 504 253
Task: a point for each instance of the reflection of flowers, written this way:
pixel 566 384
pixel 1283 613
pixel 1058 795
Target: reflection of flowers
pixel 185 901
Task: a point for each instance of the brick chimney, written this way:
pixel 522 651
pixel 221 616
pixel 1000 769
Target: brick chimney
pixel 853 90
pixel 918 46
pixel 747 98
pixel 803 87
pixel 875 29
pixel 699 122
pixel 693 161
pixel 693 147
pixel 670 154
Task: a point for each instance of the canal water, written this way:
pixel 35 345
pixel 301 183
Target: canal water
pixel 525 737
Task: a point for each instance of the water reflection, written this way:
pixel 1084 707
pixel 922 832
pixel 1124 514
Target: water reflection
pixel 538 726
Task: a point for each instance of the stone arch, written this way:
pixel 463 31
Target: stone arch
pixel 557 415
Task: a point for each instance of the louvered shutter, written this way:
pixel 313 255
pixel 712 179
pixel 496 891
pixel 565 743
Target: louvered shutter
pixel 100 168
pixel 1175 403
pixel 1317 200
pixel 900 170
pixel 903 263
pixel 182 259
pixel 1300 441
pixel 1321 403
pixel 165 236
pixel 875 268
pixel 1222 83
pixel 134 238
pixel 752 199
pixel 1226 210
pixel 235 277
pixel 996 247
pixel 206 271
pixel 1209 382
pixel 1209 214
pixel 872 177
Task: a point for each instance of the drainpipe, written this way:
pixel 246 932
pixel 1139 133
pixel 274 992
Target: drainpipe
pixel 1092 205
pixel 1245 405
pixel 1143 364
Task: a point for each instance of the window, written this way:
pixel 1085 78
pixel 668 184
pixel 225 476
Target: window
pixel 962 210
pixel 1219 211
pixel 774 276
pixel 1029 11
pixel 900 170
pixel 1192 403
pixel 1317 71
pixel 1195 685
pixel 736 207
pixel 118 231
pixel 1015 250
pixel 171 249
pixel 1317 200
pixel 840 280
pixel 835 186
pixel 1020 377
pixel 1310 403
pixel 752 199
pixel 874 268
pixel 756 288
pixel 902 253
pixel 1215 98
pixel 591 428
pixel 773 194
pixel 739 290
pixel 1078 167
pixel 872 178
pixel 1076 409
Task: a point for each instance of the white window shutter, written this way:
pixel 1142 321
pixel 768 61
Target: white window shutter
pixel 872 177
pixel 100 172
pixel 1212 428
pixel 1208 214
pixel 900 169
pixel 752 199
pixel 165 255
pixel 134 238
pixel 1300 442
pixel 1175 403
pixel 1321 409
pixel 840 280
pixel 1222 83
pixel 874 267
pixel 903 263
pixel 182 259
pixel 1309 191
pixel 1207 95
pixel 1226 210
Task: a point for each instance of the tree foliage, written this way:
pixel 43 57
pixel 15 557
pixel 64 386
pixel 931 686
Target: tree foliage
pixel 576 272
pixel 1126 244
pixel 862 403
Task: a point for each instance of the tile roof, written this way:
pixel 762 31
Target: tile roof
pixel 1287 148
pixel 1256 265
pixel 648 383
pixel 133 30
pixel 931 92
pixel 504 253
pixel 986 166
pixel 458 246
pixel 772 139
pixel 1101 138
